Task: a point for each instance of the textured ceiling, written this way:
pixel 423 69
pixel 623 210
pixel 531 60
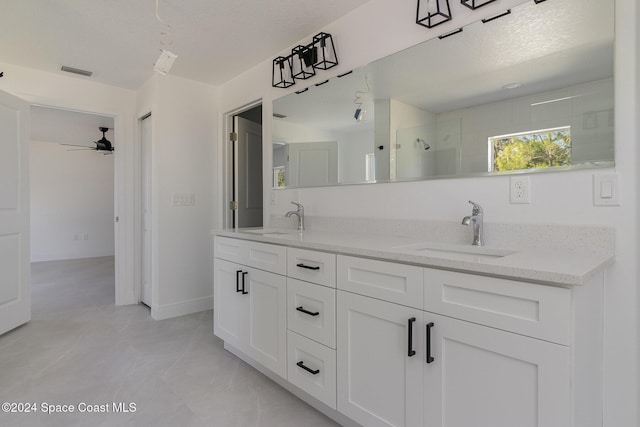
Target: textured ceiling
pixel 119 40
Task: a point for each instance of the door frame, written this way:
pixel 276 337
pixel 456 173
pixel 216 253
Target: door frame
pixel 140 242
pixel 229 174
pixel 121 248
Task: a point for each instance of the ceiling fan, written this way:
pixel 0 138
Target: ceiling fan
pixel 102 144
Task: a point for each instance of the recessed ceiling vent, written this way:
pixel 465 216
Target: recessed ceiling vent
pixel 279 116
pixel 76 71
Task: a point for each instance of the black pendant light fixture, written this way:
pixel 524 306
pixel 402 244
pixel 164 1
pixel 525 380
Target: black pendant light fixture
pixel 325 51
pixel 282 74
pixel 431 13
pixel 474 4
pixel 303 62
pixel 302 59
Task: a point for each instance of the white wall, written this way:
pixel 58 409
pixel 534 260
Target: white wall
pixel 82 94
pixel 71 203
pixel 557 198
pixel 183 131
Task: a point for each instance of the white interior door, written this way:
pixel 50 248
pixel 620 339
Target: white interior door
pixel 15 281
pixel 145 138
pixel 249 173
pixel 312 164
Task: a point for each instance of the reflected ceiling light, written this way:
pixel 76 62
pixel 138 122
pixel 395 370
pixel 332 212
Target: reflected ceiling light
pixel 474 4
pixel 433 12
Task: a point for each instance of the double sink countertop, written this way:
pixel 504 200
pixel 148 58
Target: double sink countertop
pixel 565 267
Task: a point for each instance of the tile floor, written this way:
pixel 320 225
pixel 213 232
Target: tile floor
pixel 81 348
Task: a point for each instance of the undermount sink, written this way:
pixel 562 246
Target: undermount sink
pixel 270 231
pixel 455 252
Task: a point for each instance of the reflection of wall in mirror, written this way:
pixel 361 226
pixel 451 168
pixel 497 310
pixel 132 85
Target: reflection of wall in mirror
pixel 408 159
pixel 353 148
pixel 587 108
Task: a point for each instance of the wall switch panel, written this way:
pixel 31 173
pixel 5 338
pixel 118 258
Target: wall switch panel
pixel 519 189
pixel 605 190
pixel 183 199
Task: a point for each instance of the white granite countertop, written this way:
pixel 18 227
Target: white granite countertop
pixel 564 266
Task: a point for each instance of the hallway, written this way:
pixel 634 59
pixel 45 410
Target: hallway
pixel 81 348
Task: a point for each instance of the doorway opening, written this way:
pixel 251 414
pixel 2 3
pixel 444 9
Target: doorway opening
pixel 72 189
pixel 244 176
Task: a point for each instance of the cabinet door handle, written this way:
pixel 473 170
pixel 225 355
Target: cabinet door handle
pixel 306 368
pixel 310 313
pixel 238 281
pixel 410 350
pixel 428 328
pixel 308 267
pixel 244 274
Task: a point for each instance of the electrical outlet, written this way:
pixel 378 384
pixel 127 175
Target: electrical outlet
pixel 520 190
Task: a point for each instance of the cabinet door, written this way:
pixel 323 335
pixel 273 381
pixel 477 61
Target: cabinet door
pixel 379 382
pixel 267 317
pixel 230 305
pixel 485 377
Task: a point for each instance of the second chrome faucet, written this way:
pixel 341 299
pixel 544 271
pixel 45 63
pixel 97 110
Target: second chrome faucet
pixel 475 220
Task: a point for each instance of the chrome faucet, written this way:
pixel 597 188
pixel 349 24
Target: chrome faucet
pixel 299 213
pixel 475 220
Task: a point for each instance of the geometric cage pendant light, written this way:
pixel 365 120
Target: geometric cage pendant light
pixel 474 4
pixel 303 61
pixel 431 13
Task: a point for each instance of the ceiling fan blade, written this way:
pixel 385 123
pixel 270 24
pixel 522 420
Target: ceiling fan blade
pixel 76 145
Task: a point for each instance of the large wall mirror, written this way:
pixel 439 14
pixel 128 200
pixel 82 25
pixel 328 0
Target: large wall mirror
pixel 529 91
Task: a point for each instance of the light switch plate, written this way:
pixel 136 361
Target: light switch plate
pixel 605 190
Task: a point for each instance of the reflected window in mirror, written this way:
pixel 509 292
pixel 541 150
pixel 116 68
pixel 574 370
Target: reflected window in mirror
pixel 547 65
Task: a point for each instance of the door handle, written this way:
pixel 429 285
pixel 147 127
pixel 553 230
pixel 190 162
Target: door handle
pixel 306 368
pixel 308 267
pixel 238 280
pixel 410 350
pixel 244 274
pixel 302 310
pixel 428 328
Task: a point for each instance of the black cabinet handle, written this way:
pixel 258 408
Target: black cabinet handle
pixel 238 281
pixel 410 350
pixel 308 267
pixel 429 357
pixel 306 368
pixel 244 274
pixel 310 313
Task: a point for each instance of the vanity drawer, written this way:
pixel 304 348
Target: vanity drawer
pixel 399 283
pixel 319 377
pixel 262 256
pixel 311 311
pixel 529 309
pixel 312 266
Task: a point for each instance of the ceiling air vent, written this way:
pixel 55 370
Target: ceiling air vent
pixel 279 116
pixel 76 71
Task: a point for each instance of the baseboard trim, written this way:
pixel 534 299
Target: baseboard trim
pixel 181 308
pixel 336 416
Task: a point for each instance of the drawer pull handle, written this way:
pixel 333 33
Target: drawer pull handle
pixel 310 313
pixel 410 350
pixel 308 267
pixel 238 281
pixel 244 274
pixel 429 357
pixel 306 368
